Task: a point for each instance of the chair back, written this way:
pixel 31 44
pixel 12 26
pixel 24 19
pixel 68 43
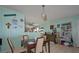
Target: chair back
pixel 10 45
pixel 25 37
pixel 24 41
pixel 39 45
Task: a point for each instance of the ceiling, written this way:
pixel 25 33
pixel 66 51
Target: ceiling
pixel 52 11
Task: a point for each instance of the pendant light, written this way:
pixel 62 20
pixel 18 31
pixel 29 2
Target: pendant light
pixel 43 15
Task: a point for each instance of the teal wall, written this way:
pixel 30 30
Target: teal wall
pixel 12 32
pixel 16 34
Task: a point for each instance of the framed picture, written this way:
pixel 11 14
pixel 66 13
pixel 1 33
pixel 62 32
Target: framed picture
pixel 15 23
pixel 51 26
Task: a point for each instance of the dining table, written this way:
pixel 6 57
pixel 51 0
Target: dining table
pixel 32 44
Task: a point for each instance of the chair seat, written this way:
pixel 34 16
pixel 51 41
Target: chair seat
pixel 31 42
pixel 30 46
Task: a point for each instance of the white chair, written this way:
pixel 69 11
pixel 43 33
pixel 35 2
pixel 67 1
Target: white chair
pixel 24 40
pixel 25 37
pixel 15 50
pixel 27 44
pixel 39 45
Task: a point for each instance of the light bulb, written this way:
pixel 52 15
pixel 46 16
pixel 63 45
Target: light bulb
pixel 44 16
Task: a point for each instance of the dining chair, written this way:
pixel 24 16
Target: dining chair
pixel 24 40
pixel 39 45
pixel 27 44
pixel 15 50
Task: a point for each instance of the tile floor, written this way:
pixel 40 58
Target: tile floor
pixel 56 48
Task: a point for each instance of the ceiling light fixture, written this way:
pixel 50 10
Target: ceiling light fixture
pixel 43 15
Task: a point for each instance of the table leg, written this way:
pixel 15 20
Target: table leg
pixel 49 47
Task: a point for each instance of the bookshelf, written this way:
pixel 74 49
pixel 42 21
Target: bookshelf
pixel 66 32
